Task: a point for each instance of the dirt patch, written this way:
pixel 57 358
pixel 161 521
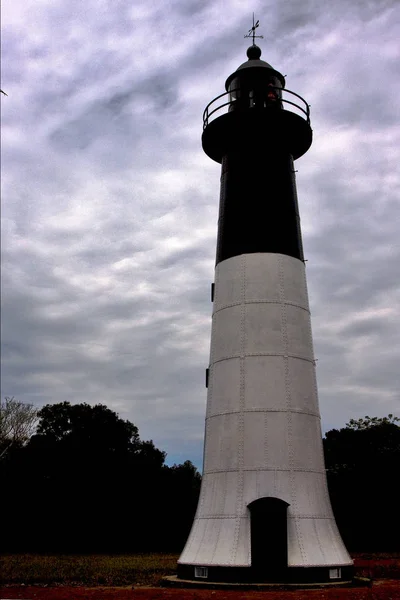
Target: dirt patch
pixel 381 590
pixel 383 568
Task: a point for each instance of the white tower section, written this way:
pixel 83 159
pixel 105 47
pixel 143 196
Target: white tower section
pixel 263 434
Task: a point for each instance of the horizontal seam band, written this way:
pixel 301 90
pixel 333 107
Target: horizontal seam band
pixel 280 302
pixel 265 410
pixel 281 354
pixel 251 469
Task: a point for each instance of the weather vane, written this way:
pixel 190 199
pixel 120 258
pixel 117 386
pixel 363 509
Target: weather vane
pixel 252 31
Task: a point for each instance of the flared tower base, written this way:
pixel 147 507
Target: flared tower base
pixel 306 576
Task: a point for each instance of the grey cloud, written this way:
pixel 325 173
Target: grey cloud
pixel 110 207
pixel 368 328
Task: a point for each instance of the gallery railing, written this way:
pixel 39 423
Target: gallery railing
pixel 271 96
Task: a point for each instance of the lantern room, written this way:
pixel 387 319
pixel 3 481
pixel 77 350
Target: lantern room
pixel 256 102
pixel 255 83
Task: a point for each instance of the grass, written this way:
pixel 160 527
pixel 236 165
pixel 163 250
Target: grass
pixel 88 570
pixel 136 569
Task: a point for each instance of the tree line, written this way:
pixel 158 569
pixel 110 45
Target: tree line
pixel 78 478
pixel 86 482
pixel 363 471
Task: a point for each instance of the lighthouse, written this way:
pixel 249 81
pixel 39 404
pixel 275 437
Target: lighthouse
pixel 264 513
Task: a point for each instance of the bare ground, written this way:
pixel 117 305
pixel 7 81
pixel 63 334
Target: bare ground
pixel 384 569
pixel 387 589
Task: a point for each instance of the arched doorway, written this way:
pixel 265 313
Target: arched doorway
pixel 268 530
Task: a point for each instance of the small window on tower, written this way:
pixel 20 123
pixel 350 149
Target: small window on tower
pixel 335 573
pixel 201 572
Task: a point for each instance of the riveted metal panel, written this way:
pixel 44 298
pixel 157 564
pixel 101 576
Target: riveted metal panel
pixel 261 278
pixel 277 440
pixel 220 495
pixel 214 492
pixel 265 382
pixel 251 487
pixel 194 542
pixel 227 544
pixel 263 329
pixel 306 443
pixel 296 553
pixel 283 488
pixel 233 493
pixel 218 546
pixel 222 435
pixel 311 494
pixel 242 555
pixel 301 385
pixel 335 553
pixel 225 337
pixel 293 281
pixel 264 483
pixel 206 550
pixel 228 286
pixel 255 446
pixel 312 552
pixel 298 332
pixel 321 543
pixel 261 447
pixel 211 449
pixel 225 376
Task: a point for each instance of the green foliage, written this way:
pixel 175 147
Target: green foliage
pixel 97 425
pixel 362 462
pixel 368 422
pixel 94 486
pixel 186 471
pixel 17 423
pixel 88 570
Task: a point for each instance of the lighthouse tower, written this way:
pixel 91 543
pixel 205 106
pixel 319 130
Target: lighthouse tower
pixel 264 513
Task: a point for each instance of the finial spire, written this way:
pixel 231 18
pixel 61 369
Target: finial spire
pixel 252 31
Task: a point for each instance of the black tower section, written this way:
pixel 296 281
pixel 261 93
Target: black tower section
pixel 265 129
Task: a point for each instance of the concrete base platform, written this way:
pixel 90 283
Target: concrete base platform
pixel 173 581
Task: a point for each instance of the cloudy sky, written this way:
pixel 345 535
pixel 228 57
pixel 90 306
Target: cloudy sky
pixel 109 205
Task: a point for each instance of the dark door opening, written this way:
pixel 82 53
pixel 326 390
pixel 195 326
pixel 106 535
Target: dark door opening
pixel 268 530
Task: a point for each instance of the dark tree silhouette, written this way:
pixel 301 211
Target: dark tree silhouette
pixel 86 482
pixel 181 497
pixel 84 426
pixel 17 423
pixel 362 462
